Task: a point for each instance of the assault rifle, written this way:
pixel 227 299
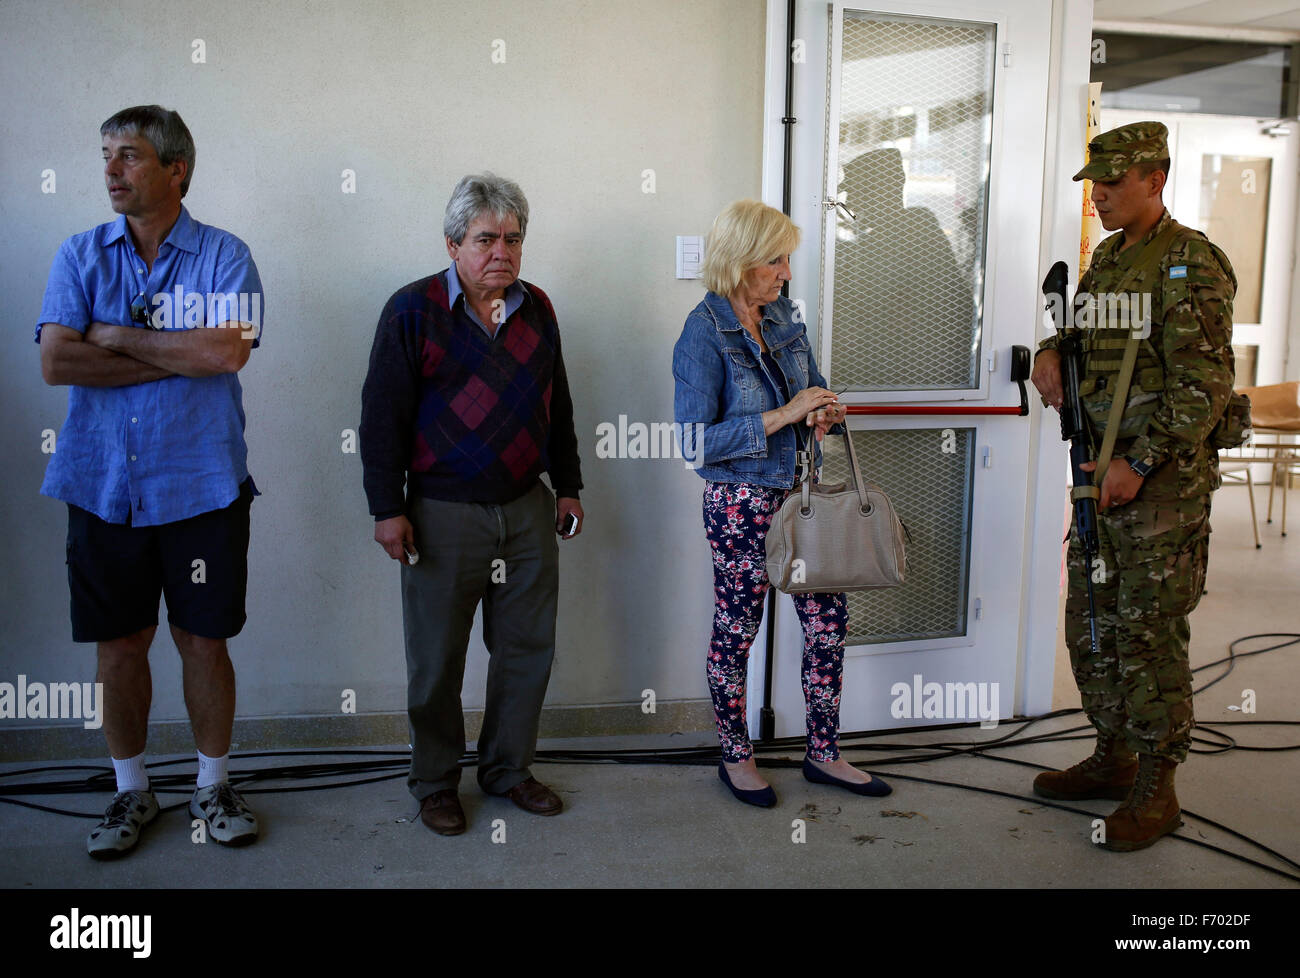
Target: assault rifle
pixel 1074 429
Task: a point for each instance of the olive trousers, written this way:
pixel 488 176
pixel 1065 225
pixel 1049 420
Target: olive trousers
pixel 507 558
pixel 1147 579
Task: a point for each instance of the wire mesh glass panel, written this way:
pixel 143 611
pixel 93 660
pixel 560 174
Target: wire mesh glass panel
pixel 927 474
pixel 914 131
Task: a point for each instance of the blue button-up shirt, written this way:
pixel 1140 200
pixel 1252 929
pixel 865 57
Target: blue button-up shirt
pixel 514 298
pixel 167 449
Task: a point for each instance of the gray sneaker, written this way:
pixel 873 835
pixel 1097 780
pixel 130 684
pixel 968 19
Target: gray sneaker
pixel 229 820
pixel 119 832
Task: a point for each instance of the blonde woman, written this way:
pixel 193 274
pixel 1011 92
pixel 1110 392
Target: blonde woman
pixel 748 384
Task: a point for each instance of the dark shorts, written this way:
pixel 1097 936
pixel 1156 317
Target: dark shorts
pixel 116 573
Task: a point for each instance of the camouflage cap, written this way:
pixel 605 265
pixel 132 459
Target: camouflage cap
pixel 1112 153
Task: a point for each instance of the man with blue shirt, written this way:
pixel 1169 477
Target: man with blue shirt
pixel 151 460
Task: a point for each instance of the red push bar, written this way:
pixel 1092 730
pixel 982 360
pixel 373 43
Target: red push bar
pixel 925 409
pixel 1019 373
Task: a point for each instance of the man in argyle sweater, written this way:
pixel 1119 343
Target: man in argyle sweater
pixel 466 403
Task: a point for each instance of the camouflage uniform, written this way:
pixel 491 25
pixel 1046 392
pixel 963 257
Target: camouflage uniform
pixel 1154 549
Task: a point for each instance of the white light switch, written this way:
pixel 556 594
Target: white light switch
pixel 690 252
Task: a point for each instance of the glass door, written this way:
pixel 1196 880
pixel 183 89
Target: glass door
pixel 920 167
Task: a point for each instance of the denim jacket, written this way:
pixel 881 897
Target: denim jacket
pixel 723 388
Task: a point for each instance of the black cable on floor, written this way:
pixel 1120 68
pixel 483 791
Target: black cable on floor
pixel 396 763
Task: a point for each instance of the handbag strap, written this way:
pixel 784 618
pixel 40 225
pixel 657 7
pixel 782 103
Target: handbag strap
pixel 858 482
pixel 805 475
pixel 805 471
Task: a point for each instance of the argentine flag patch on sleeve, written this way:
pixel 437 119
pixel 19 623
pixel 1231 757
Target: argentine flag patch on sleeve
pixel 1178 271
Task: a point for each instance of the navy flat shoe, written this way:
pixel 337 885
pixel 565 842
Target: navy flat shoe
pixel 762 797
pixel 875 787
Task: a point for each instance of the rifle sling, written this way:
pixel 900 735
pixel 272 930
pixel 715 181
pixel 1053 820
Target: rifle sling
pixel 1116 410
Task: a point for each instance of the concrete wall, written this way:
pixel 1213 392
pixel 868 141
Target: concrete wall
pixel 408 95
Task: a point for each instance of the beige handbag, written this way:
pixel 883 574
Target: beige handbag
pixel 835 538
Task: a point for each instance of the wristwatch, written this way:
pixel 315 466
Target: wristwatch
pixel 1142 469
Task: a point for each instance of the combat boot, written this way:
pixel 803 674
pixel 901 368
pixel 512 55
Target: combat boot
pixel 1150 812
pixel 1108 773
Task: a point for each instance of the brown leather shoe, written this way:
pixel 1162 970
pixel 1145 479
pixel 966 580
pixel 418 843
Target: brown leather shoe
pixel 441 812
pixel 533 796
pixel 1151 810
pixel 1108 773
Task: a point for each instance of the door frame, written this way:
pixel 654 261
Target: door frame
pixel 1190 135
pixel 1037 600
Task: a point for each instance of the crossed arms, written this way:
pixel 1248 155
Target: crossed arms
pixel 115 356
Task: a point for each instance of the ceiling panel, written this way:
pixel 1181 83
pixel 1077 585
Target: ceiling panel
pixel 1269 14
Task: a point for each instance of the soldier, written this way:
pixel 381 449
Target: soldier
pixel 1154 508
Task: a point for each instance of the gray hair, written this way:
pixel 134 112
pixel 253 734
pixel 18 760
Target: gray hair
pixel 478 193
pixel 163 128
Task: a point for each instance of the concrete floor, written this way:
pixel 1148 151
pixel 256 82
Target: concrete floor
pixel 661 825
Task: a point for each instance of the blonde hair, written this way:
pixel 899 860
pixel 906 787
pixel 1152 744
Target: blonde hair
pixel 745 235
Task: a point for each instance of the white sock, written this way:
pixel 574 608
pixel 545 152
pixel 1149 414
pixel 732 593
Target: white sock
pixel 212 770
pixel 131 775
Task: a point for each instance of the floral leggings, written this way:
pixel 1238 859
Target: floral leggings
pixel 736 519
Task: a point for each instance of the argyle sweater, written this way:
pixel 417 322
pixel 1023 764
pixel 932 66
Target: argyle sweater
pixel 456 416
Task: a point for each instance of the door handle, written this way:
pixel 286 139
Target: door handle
pixel 830 203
